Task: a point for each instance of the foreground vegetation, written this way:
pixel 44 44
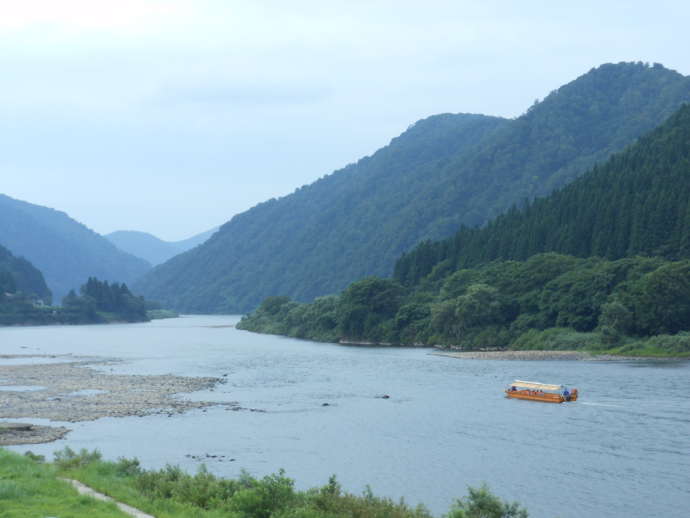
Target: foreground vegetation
pixel 30 488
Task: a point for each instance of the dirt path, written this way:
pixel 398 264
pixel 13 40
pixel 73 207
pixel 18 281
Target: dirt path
pixel 86 490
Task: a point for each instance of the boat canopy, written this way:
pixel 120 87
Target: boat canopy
pixel 536 385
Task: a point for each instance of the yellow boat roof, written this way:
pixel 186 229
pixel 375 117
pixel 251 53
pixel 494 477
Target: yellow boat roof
pixel 536 385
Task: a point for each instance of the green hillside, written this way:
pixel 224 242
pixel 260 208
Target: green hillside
pixel 624 287
pixel 17 275
pixel 24 296
pixel 637 203
pixel 443 172
pixel 67 252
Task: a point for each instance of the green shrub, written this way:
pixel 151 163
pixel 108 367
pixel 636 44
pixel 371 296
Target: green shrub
pixel 127 467
pixel 480 503
pixel 69 459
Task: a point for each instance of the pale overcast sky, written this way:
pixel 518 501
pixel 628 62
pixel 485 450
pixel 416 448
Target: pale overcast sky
pixel 172 116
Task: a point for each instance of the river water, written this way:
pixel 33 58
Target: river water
pixel 622 450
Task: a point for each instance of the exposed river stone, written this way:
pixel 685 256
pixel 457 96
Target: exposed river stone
pixel 74 392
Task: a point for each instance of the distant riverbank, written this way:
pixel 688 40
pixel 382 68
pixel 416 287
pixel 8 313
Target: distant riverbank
pixel 533 355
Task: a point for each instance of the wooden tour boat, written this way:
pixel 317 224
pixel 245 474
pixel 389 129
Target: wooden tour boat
pixel 540 392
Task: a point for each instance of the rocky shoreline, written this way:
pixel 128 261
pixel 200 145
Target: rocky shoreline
pixel 533 355
pixel 26 433
pixel 75 391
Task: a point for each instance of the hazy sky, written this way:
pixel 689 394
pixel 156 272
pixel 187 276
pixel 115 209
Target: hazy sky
pixel 172 116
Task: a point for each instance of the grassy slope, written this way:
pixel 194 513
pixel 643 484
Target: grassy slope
pixel 32 490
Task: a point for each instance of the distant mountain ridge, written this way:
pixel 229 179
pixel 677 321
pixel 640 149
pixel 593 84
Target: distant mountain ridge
pixel 66 251
pixel 153 249
pixel 443 172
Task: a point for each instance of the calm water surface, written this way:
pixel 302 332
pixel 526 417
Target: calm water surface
pixel 623 450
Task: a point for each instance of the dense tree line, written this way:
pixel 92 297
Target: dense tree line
pixel 100 301
pixel 550 301
pixel 622 283
pixel 443 172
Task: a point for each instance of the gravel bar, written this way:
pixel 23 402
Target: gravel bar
pixel 74 391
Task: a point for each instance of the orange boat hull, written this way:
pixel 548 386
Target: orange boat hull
pixel 544 397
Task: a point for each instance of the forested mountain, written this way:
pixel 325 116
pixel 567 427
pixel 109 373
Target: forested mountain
pixel 637 203
pixel 271 247
pixel 495 286
pixel 19 275
pixel 152 249
pixel 443 172
pixel 67 252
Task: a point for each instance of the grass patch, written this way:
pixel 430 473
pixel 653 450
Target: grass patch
pixel 157 314
pixel 29 489
pixel 555 339
pixel 566 339
pixel 660 346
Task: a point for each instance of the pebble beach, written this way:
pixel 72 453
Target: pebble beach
pixel 72 390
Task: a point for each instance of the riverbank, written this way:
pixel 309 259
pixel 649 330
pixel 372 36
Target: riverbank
pixel 27 433
pixel 531 355
pixel 68 389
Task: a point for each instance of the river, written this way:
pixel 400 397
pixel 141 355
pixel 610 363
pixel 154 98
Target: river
pixel 622 450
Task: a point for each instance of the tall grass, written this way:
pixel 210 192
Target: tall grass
pixel 29 489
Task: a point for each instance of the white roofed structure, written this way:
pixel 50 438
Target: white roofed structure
pixel 535 385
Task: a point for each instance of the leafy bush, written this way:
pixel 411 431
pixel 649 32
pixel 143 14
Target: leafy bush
pixel 480 503
pixel 70 459
pixel 127 467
